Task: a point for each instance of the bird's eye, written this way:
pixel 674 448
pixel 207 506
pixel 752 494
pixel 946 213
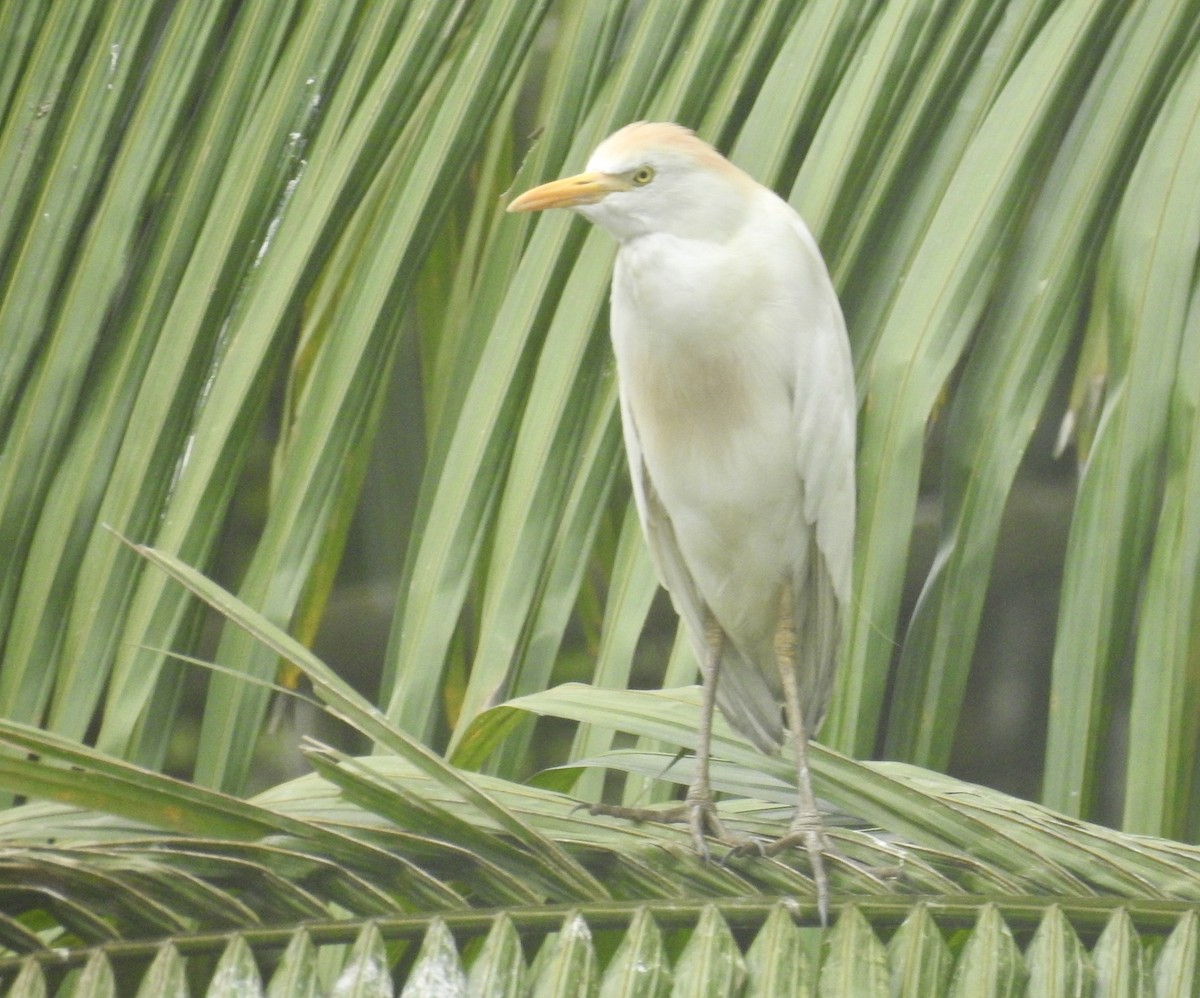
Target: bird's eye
pixel 643 175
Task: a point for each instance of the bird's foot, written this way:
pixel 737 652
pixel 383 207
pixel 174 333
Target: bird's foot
pixel 703 820
pixel 698 810
pixel 806 830
pixel 662 816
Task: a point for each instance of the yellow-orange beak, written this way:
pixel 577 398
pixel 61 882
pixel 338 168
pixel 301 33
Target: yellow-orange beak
pixel 570 192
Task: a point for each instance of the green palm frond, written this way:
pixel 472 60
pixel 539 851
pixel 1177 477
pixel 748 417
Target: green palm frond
pixel 947 871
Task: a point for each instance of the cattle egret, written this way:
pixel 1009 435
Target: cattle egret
pixel 738 410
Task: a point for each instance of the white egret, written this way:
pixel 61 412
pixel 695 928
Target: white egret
pixel 738 410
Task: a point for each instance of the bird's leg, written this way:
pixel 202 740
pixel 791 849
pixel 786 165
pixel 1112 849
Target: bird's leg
pixel 697 808
pixel 702 811
pixel 806 827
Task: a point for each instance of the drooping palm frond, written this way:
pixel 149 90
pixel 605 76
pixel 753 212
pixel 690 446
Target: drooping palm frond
pixel 288 214
pixel 951 876
pixel 946 871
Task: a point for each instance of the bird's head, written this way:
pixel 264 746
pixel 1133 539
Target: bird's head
pixel 651 177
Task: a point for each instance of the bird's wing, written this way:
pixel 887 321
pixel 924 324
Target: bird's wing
pixel 657 529
pixel 824 411
pixel 749 700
